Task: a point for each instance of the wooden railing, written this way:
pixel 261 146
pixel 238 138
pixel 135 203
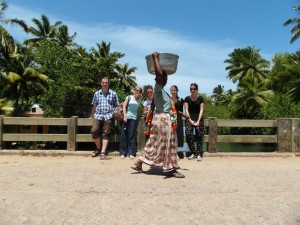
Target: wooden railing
pixel 287 135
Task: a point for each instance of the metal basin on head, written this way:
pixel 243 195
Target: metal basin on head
pixel 168 63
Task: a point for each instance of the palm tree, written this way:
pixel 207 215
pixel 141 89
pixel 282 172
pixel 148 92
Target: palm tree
pixel 125 78
pixel 296 29
pixel 5 38
pixel 226 98
pixel 245 63
pixel 217 92
pixel 6 106
pixel 285 74
pixel 106 60
pixel 102 50
pixel 44 30
pixel 250 97
pixel 20 80
pixel 293 84
pixel 64 39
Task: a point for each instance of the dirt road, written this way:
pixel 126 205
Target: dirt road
pixel 84 190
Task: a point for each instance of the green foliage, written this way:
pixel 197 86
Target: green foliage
pixel 52 103
pixel 251 95
pixel 20 79
pixel 295 31
pixel 75 79
pixel 285 74
pixel 6 107
pixel 246 63
pixel 125 79
pixel 250 70
pixel 76 74
pixel 219 111
pixel 72 81
pixel 281 106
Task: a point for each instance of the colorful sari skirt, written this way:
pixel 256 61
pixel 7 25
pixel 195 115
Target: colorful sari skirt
pixel 161 148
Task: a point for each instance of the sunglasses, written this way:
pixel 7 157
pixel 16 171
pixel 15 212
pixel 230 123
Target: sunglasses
pixel 193 89
pixel 149 92
pixel 138 90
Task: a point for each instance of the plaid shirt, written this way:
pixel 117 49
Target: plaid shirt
pixel 105 104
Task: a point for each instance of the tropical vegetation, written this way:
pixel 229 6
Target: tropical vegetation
pixel 51 69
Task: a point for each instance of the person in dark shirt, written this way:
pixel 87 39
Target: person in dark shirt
pixel 179 107
pixel 194 127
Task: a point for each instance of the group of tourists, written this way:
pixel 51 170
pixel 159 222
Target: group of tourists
pixel 163 115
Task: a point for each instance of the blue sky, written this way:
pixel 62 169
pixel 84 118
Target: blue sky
pixel 201 32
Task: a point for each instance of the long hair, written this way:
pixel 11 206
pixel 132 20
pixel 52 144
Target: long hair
pixel 174 86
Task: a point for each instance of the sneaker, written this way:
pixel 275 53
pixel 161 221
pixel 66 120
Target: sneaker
pixel 199 158
pixel 191 156
pixel 131 157
pixel 122 157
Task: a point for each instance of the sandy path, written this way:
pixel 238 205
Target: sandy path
pixel 84 190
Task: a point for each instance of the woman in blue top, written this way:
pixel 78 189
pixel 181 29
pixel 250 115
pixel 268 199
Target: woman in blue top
pixel 161 147
pixel 128 126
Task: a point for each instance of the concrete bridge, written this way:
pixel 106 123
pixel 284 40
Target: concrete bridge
pixel 74 189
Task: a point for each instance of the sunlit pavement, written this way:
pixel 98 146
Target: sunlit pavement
pixel 77 189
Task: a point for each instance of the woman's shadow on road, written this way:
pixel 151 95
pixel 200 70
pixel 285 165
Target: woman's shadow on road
pixel 156 171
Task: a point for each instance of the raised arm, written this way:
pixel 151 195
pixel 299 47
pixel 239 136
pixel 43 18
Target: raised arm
pixel 157 68
pixel 161 77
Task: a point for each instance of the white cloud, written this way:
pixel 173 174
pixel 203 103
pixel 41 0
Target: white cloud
pixel 200 61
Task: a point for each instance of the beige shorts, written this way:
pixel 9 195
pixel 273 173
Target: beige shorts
pixel 101 127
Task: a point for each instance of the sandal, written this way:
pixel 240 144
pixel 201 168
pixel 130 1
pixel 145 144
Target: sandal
pixel 137 167
pixel 102 156
pixel 176 174
pixel 95 153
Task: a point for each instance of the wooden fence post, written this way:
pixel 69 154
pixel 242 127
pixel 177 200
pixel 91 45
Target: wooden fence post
pixel 284 135
pixel 296 135
pixel 72 131
pixel 212 135
pixel 1 132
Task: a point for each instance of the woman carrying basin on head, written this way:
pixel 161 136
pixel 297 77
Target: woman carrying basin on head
pixel 161 147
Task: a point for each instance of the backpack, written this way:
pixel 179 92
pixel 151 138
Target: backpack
pixel 118 111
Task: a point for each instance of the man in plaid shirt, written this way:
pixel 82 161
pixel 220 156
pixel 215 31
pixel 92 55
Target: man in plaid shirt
pixel 104 102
